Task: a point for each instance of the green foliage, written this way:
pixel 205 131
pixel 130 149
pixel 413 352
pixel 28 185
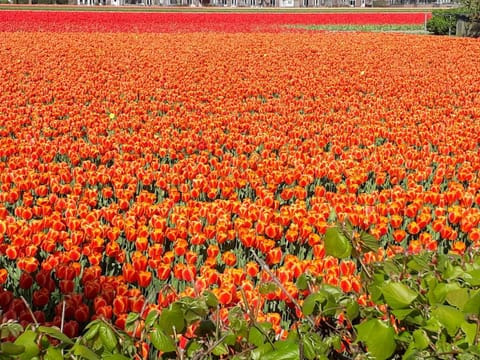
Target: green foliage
pixel 398 295
pixel 472 8
pixel 378 337
pixel 444 21
pixel 363 28
pixel 337 244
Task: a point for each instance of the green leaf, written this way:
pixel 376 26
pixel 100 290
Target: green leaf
pixel 53 354
pixel 473 277
pixel 151 318
pixel 114 357
pixel 313 345
pixel 335 341
pixel 368 242
pixel 391 267
pixel 259 352
pixel 192 316
pixel 398 295
pixel 220 349
pixel 336 244
pixel 401 314
pixel 161 341
pixel 312 304
pixel 375 292
pixel 284 350
pixel 443 345
pixel 9 348
pixel 421 339
pixel 10 329
pixel 458 297
pixel 56 334
pixel 92 331
pixel 352 309
pixel 449 317
pixel 346 226
pixel 230 338
pixel 404 337
pixel 452 272
pixel 429 281
pixel 267 288
pixel 237 323
pixel 472 305
pixel 84 352
pixel 256 337
pixel 108 338
pixel 28 340
pixel 332 291
pixel 412 353
pixel 470 330
pixel 416 319
pixel 193 309
pixel 419 262
pixel 210 299
pixel 441 291
pixel 433 325
pixel 378 337
pixel 302 282
pixel 193 347
pixel 130 323
pixel 170 319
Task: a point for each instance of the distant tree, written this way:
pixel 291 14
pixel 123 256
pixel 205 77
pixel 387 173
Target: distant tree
pixel 473 7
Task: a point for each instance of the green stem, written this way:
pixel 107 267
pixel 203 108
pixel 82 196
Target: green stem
pixel 280 285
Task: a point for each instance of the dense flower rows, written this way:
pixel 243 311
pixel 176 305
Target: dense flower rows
pixel 135 167
pixel 187 22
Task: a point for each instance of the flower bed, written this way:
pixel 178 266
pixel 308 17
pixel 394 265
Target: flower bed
pixel 178 22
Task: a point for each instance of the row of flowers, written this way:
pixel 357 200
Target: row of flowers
pixel 175 22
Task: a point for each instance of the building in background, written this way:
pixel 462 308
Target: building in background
pixel 247 3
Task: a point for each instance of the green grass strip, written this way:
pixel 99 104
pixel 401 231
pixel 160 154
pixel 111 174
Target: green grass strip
pixel 364 28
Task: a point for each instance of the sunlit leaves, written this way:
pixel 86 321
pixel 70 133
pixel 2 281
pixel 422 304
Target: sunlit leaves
pixel 337 244
pixel 398 295
pixel 378 337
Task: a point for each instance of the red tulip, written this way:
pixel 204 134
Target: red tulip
pixel 82 313
pixel 41 297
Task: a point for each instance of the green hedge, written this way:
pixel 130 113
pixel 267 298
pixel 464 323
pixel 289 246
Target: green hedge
pixel 444 21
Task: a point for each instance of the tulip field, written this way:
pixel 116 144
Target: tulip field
pixel 147 158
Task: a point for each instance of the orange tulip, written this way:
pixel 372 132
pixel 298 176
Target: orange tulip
pixel 144 278
pixel 188 273
pixel 274 256
pixel 399 235
pixel 413 228
pixel 3 276
pixel 229 258
pixel 252 269
pixel 212 251
pixel 120 305
pixel 474 235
